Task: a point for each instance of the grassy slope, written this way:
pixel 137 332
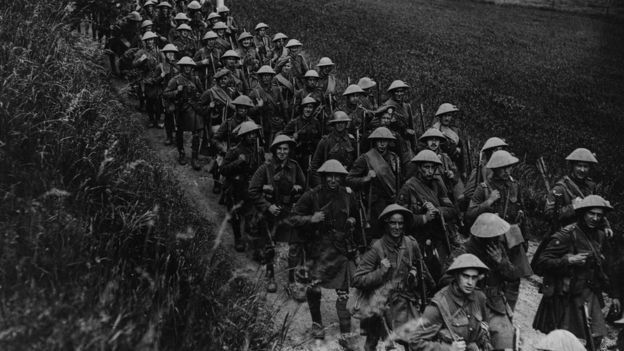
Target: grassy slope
pixel 546 81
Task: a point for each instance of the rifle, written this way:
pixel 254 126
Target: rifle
pixel 224 120
pixel 469 156
pixel 412 126
pixel 423 287
pixel 259 153
pixel 589 340
pixel 397 180
pixel 378 102
pixel 422 117
pixel 447 241
pixel 541 166
pixel 292 110
pixel 308 172
pixel 331 105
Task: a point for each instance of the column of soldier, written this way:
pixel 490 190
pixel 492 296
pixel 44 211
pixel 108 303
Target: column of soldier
pixel 365 198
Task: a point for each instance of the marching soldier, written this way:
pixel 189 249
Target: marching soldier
pixel 385 117
pixel 355 111
pixel 262 43
pixel 310 88
pixel 212 19
pixel 338 145
pixel 433 140
pixel 285 82
pixel 147 60
pixel 238 167
pixel 248 54
pixel 179 19
pixel 274 188
pixel 148 10
pixel 575 278
pixel 168 71
pixel 146 26
pixel 377 173
pixel 185 89
pixel 306 131
pixel 223 42
pixel 502 195
pixel 368 100
pixel 185 40
pixel 457 317
pixel 269 105
pixel 238 80
pixel 197 24
pixel 279 50
pixel 232 28
pixel 435 214
pixel 455 146
pixel 393 265
pixel 162 23
pixel 328 211
pixel 327 82
pixel 488 243
pixel 207 59
pixel 402 117
pixel 298 62
pixel 226 134
pixel 482 173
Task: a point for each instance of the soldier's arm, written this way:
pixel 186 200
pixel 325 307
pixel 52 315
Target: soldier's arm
pixel 290 128
pixel 221 134
pixel 357 175
pixel 471 184
pixel 302 211
pixel 424 338
pixel 232 164
pixel 204 103
pixel 258 180
pixel 505 267
pixel 405 199
pixel 478 204
pixel 317 162
pixel 171 90
pixel 554 258
pixel 301 178
pixel 369 273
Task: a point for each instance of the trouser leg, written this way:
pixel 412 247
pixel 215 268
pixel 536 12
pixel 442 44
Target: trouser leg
pixel 344 317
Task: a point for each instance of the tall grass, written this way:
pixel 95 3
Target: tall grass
pixel 98 247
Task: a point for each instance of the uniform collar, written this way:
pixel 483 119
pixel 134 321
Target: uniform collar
pixel 458 296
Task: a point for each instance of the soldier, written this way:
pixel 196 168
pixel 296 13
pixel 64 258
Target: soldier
pixel 311 88
pixel 262 43
pixel 575 279
pixel 248 54
pixel 435 214
pixel 455 146
pixel 285 82
pixel 179 19
pixel 377 173
pixel 162 22
pixel 168 71
pixel 327 81
pixel 226 133
pixel 338 145
pixel 560 340
pixel 185 40
pixel 433 140
pixel 213 18
pixel 269 105
pixel 488 243
pixel 238 80
pixel 482 173
pixel 279 50
pixel 148 10
pixel 184 90
pixel 223 42
pixel 274 188
pixel 197 24
pixel 456 318
pixel 124 36
pixel 239 165
pixel 207 59
pixel 368 100
pixel 232 28
pixel 306 131
pixel 502 195
pixel 385 117
pixel 393 265
pixel 146 26
pixel 298 62
pixel 355 111
pixel 403 116
pixel 147 60
pixel 328 210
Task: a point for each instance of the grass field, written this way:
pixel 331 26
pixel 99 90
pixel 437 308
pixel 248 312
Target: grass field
pixel 548 82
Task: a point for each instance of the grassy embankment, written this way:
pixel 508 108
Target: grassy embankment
pixel 99 249
pixel 547 82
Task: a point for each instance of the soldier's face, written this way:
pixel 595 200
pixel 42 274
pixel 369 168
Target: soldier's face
pixel 381 145
pixel 446 119
pixel 312 82
pixel 503 172
pixel 427 169
pixel 210 43
pixel 223 81
pixel 185 33
pixel 250 138
pixel 279 43
pixel 186 69
pixel 332 180
pixel 147 29
pixel 433 144
pixel 215 20
pixel 353 99
pixel 266 78
pixel 287 67
pixel 246 42
pixel 326 69
pixel 396 225
pixel 164 11
pixel 149 43
pixel 170 56
pixel 242 111
pixel 220 32
pixel 386 119
pixel 282 151
pixel 340 126
pixel 593 217
pixel 398 94
pixel 467 280
pixel 580 170
pixel 295 50
pixel 307 110
pixel 230 62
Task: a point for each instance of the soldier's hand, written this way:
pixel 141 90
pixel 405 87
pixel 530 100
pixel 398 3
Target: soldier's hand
pixel 430 216
pixel 458 345
pixel 495 252
pixel 410 131
pixel 275 210
pixel 267 188
pixel 297 188
pixel 351 222
pixel 450 174
pixel 242 157
pixel 616 305
pixel 212 104
pixel 205 61
pixel 578 259
pixel 143 58
pixel 318 217
pixel 385 263
pixel 260 102
pixel 609 232
pixel 494 196
pixel 296 136
pixel 162 74
pixel 371 174
pixel 180 87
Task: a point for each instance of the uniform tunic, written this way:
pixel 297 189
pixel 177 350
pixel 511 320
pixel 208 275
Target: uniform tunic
pixel 333 146
pixel 207 70
pixel 270 116
pixel 307 133
pixel 186 100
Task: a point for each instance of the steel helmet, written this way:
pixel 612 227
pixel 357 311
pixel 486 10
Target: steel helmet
pixel 146 23
pixel 246 127
pixel 243 100
pixel 221 73
pixel 311 74
pixel 210 35
pixel 230 54
pixel 148 3
pixel 324 61
pixel 261 25
pixel 446 108
pixel 398 84
pixel 135 16
pixel 194 5
pixel 266 69
pixel 427 156
pixel 308 100
pixel 279 36
pixel 501 158
pixel 213 15
pixel 148 35
pixel 181 16
pixel 592 201
pixel 219 25
pixel 164 4
pixel 169 48
pixel 281 139
pixel 395 208
pixel 492 143
pixel 366 83
pixel 466 261
pixel 432 133
pixel 382 133
pixel 293 43
pixel 582 155
pixel 332 166
pixel 340 117
pixel 489 225
pixel 222 9
pixel 560 340
pixel 353 89
pixel 184 26
pixel 244 35
pixel 186 61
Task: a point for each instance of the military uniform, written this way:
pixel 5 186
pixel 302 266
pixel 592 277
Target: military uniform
pixel 307 133
pixel 455 146
pixel 270 116
pixel 150 81
pixel 186 44
pixel 336 146
pixel 209 69
pixel 299 66
pixel 559 201
pixel 286 87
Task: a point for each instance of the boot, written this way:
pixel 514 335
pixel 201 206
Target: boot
pixel 195 163
pixel 344 317
pixel 181 158
pixel 318 331
pixel 313 295
pixel 216 186
pixel 169 141
pixel 270 272
pixel 239 245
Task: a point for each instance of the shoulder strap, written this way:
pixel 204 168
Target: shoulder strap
pixel 377 247
pixel 444 309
